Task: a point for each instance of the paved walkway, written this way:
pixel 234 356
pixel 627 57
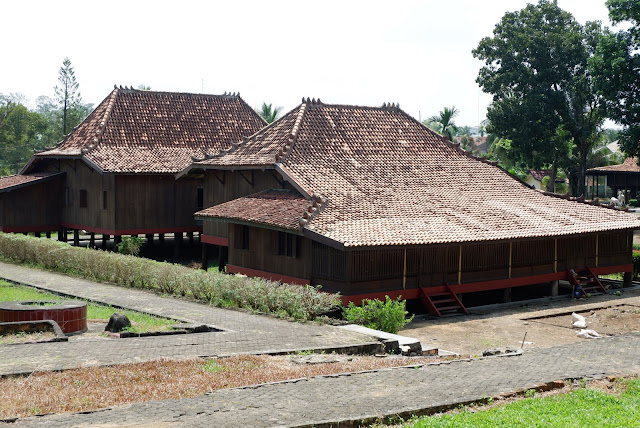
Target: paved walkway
pixel 242 332
pixel 347 400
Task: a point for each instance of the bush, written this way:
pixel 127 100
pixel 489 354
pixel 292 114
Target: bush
pixel 636 263
pixel 215 288
pixel 389 316
pixel 130 245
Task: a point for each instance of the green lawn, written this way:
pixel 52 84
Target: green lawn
pixel 584 407
pixel 140 322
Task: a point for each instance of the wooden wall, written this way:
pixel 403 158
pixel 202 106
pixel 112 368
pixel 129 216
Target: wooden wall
pixel 155 202
pixel 79 176
pixel 262 253
pixel 377 270
pixel 33 208
pixel 223 186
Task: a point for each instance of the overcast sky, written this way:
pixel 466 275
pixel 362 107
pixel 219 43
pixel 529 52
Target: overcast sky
pixel 416 53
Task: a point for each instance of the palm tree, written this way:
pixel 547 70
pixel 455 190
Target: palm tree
pixel 269 113
pixel 443 122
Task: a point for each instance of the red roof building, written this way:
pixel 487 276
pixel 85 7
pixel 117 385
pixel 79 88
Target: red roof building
pixel 384 205
pixel 120 163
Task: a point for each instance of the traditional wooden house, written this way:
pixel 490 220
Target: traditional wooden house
pixel 607 181
pixel 369 202
pixel 119 164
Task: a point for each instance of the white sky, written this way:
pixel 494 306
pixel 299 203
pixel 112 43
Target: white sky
pixel 416 53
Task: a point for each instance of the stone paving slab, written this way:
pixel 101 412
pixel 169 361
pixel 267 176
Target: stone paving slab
pixel 346 400
pixel 242 332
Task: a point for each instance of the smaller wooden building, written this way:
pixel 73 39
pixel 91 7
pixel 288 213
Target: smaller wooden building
pixel 118 168
pixel 368 202
pixel 607 181
pixel 30 203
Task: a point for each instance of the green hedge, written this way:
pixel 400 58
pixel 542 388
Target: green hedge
pixel 218 289
pixel 389 316
pixel 636 264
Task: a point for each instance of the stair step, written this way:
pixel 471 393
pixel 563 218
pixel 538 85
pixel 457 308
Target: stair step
pixel 443 301
pixel 449 308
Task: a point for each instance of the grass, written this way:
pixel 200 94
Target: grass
pixel 92 388
pixel 140 322
pixel 212 287
pixel 615 405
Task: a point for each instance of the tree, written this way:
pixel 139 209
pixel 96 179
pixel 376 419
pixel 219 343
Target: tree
pixel 443 122
pixel 616 67
pixel 67 93
pixel 269 113
pixel 536 67
pixel 20 131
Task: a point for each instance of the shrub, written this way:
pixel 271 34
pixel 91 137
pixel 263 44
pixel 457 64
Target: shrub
pixel 636 263
pixel 389 316
pixel 130 245
pixel 213 287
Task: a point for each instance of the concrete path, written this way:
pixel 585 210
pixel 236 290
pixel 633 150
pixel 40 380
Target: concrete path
pixel 347 400
pixel 242 332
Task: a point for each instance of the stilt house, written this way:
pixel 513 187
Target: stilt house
pixel 608 181
pixel 369 202
pixel 115 173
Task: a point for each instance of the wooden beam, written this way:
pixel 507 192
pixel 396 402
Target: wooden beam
pixel 248 180
pixel 221 180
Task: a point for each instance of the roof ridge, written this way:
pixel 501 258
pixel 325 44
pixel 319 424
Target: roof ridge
pixel 103 124
pixel 293 136
pixel 316 206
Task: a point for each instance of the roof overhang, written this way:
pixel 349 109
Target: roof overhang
pixel 31 182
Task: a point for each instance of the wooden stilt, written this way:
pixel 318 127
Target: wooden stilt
pixel 149 237
pixel 161 238
pixel 76 237
pixel 105 240
pixel 190 236
pixel 92 240
pixel 48 234
pixel 205 258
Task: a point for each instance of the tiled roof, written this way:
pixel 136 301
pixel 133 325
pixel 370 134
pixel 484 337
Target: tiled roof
pixel 629 165
pixel 157 132
pixel 279 208
pixel 13 181
pixel 385 179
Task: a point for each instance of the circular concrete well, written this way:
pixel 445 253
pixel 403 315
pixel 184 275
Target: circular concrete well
pixel 71 315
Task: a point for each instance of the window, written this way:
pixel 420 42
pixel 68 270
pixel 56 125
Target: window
pixel 200 199
pixel 241 237
pixel 83 198
pixel 104 199
pixel 287 244
pixel 68 197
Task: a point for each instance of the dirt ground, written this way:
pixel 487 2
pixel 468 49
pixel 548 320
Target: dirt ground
pixel 546 322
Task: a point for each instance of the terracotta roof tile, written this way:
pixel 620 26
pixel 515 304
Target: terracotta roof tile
pixel 12 181
pixel 629 165
pixel 279 208
pixel 389 180
pixel 157 132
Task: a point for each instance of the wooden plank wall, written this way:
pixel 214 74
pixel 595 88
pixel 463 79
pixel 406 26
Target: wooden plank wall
pixel 31 206
pixel 262 253
pixel 235 186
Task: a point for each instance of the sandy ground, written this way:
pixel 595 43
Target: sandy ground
pixel 546 322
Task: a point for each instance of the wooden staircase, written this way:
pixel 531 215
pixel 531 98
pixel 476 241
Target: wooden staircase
pixel 440 303
pixel 586 281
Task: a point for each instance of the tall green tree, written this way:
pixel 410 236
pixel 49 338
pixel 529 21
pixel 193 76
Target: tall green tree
pixel 67 94
pixel 536 67
pixel 269 113
pixel 443 122
pixel 616 67
pixel 20 133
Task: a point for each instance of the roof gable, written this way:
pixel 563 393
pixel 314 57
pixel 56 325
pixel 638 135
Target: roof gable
pixel 134 131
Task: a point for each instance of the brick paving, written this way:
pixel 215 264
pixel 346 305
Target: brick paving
pixel 338 400
pixel 242 332
pixel 346 400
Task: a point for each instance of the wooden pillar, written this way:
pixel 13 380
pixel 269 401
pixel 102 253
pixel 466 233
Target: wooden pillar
pixel 105 239
pixel 161 238
pixel 205 258
pixel 116 240
pixel 553 288
pixel 62 234
pixel 48 234
pixel 76 237
pixel 92 240
pixel 149 237
pixel 627 279
pixel 506 295
pixel 190 236
pixel 224 255
pixel 177 243
pixel 37 234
